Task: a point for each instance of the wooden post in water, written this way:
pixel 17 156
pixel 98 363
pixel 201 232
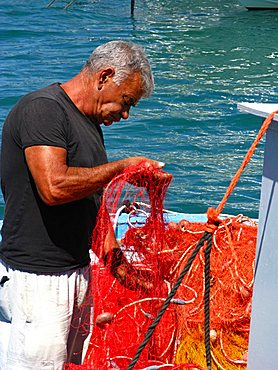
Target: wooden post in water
pixel 132 6
pixel 263 340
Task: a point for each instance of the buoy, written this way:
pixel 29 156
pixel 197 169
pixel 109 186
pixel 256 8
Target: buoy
pixel 104 318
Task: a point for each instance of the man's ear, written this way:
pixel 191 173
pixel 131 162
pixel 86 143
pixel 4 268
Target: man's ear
pixel 105 75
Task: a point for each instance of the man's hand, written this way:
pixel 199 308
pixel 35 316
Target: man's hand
pixel 125 273
pixel 150 177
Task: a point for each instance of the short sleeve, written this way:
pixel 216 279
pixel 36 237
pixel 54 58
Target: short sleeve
pixel 43 122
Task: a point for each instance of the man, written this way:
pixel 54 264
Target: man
pixel 53 169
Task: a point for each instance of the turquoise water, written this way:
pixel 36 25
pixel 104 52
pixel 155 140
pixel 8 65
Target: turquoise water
pixel 206 55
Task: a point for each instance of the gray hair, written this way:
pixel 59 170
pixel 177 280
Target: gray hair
pixel 127 58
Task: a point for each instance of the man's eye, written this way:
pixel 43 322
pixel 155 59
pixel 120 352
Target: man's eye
pixel 128 101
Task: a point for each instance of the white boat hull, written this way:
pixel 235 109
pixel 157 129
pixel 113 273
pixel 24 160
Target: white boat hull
pixel 260 4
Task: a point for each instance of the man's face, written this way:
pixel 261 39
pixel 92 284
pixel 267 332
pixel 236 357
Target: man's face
pixel 116 100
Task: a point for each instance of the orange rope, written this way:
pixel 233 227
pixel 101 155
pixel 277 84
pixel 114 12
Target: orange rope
pixel 214 213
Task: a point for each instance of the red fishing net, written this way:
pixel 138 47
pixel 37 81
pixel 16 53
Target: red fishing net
pixel 131 283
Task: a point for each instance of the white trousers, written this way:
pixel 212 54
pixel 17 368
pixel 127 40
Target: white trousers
pixel 45 320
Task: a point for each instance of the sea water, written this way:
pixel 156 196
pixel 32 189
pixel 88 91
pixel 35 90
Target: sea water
pixel 206 56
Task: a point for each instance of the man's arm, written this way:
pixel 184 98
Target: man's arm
pixel 58 183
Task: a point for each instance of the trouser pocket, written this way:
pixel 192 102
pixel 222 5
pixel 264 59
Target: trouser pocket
pixel 5 309
pixel 15 364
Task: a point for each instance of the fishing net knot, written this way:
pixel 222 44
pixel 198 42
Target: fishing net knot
pixel 213 221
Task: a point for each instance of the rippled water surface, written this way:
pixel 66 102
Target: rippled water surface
pixel 206 55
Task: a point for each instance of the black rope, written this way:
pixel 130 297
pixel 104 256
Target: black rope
pixel 207 236
pixel 132 7
pixel 207 300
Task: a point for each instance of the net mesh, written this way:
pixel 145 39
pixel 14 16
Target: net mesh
pixel 127 297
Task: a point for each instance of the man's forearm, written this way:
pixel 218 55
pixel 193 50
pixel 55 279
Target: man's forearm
pixel 75 183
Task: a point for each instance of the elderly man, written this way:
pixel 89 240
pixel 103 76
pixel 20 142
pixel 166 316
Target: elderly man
pixel 53 169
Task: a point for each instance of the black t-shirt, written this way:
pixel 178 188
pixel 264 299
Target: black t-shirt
pixel 37 237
